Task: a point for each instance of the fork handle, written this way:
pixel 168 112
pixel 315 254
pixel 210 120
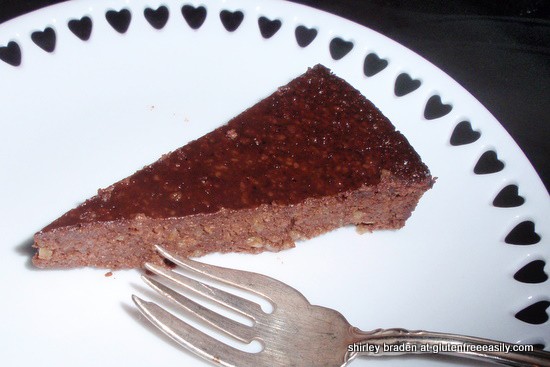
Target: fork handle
pixel 389 342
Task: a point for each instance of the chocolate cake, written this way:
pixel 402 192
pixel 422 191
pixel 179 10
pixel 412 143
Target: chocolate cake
pixel 314 156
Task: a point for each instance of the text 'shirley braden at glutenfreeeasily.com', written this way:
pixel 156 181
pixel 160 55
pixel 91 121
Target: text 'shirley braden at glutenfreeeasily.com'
pixel 437 348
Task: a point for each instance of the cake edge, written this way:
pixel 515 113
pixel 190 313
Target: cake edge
pixel 130 243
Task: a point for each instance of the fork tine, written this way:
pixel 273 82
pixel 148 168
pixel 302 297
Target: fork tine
pixel 233 328
pixel 236 303
pixel 253 282
pixel 193 339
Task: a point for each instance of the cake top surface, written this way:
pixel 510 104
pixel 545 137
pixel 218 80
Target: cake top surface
pixel 316 136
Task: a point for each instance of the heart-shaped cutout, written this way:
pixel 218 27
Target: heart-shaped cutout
pixel 157 17
pixel 45 39
pixel 532 273
pixel 523 234
pixel 11 53
pixel 194 17
pixel 508 197
pixel 405 84
pixel 269 27
pixel 488 163
pixel 82 28
pixel 464 134
pixel 435 108
pixel 231 20
pixel 119 20
pixel 373 64
pixel 535 313
pixel 305 35
pixel 339 48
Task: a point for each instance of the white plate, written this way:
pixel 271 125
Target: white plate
pixel 92 112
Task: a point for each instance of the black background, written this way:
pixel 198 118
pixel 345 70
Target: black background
pixel 498 50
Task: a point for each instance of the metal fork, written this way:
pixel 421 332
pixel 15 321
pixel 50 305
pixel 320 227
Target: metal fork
pixel 296 333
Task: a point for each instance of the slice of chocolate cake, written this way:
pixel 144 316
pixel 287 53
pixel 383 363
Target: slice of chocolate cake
pixel 314 156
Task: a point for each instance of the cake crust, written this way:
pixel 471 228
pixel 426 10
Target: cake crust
pixel 313 156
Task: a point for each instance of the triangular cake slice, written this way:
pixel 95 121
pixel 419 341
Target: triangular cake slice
pixel 314 156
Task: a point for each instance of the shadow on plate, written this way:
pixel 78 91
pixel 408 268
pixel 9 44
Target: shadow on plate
pixel 25 249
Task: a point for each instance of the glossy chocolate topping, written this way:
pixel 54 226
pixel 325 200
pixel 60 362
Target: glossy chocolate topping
pixel 314 137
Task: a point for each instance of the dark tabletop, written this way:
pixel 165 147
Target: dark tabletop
pixel 498 50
